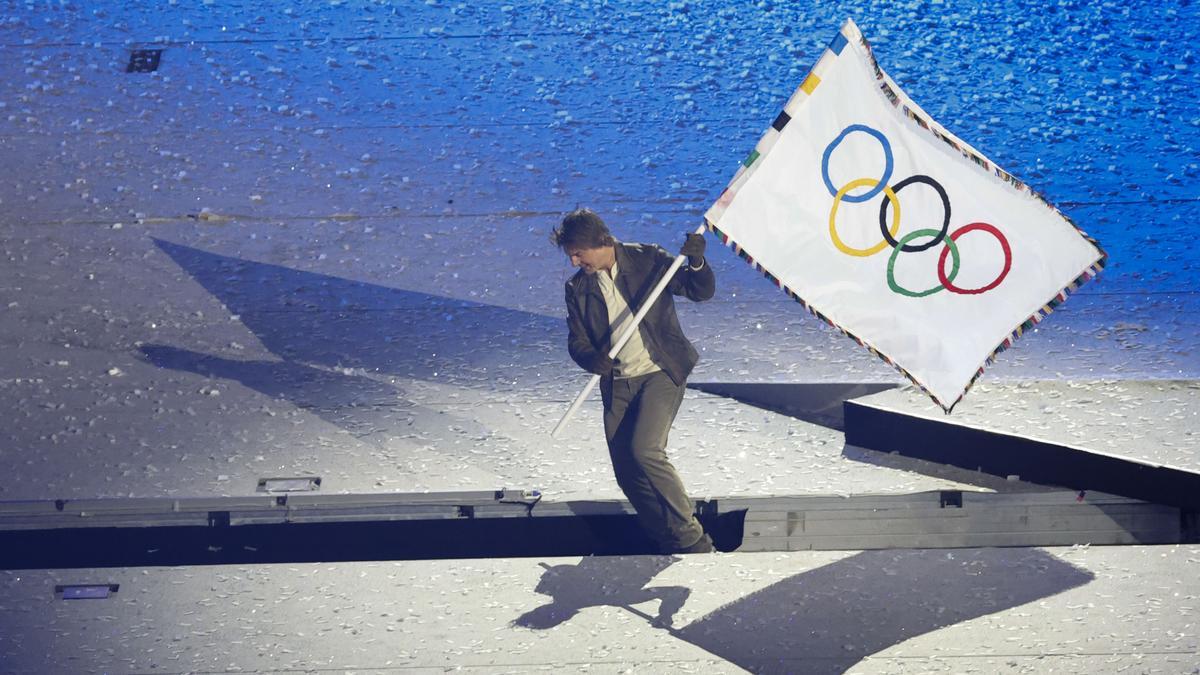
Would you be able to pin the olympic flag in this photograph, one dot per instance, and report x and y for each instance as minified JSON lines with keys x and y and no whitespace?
{"x":889,"y":228}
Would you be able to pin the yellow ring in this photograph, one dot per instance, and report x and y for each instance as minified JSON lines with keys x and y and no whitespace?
{"x":863,"y":252}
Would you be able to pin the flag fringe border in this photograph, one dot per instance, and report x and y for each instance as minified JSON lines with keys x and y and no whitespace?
{"x":850,"y":31}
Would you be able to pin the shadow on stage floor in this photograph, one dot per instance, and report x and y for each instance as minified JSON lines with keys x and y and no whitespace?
{"x":824,"y":620}
{"x":342,"y":344}
{"x":813,"y":402}
{"x":325,"y":321}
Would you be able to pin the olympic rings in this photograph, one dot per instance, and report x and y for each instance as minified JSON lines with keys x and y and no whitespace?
{"x":887,"y":158}
{"x":863,"y":252}
{"x":891,"y":270}
{"x":889,"y":233}
{"x":945,"y":218}
{"x":986,"y":227}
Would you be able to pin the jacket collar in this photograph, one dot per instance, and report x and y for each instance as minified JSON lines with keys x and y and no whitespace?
{"x":622,"y":256}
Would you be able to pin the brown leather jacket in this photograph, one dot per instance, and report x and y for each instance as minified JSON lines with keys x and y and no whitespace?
{"x":641,"y":266}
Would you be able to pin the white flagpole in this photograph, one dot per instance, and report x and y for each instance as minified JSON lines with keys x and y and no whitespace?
{"x":616,"y":348}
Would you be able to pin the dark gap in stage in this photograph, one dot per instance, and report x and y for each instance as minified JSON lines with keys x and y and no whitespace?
{"x":466,"y":538}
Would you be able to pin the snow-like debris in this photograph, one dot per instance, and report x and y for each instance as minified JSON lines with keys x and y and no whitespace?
{"x":315,"y":240}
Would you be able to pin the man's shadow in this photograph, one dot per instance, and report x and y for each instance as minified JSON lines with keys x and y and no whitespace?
{"x":361,"y":405}
{"x":340,"y":343}
{"x":827,"y":619}
{"x":616,"y":581}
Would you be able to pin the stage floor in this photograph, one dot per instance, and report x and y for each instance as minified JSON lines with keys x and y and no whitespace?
{"x":1096,"y":610}
{"x":314,"y":243}
{"x":139,"y":367}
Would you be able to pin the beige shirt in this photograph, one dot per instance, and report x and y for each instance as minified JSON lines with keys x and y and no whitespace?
{"x":633,"y":359}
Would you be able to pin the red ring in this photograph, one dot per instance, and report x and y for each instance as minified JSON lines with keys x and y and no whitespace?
{"x":941,"y":267}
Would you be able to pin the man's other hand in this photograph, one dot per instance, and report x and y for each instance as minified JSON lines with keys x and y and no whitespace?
{"x":603,"y":365}
{"x":693,"y":248}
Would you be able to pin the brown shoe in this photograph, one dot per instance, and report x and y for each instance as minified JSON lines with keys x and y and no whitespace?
{"x":703,"y":545}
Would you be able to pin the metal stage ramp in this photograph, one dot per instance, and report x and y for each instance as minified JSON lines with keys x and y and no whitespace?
{"x":1132,"y":438}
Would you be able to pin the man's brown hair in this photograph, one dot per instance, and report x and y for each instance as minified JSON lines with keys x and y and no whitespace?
{"x":582,"y":228}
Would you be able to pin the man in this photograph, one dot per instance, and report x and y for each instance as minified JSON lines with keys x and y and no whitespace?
{"x":643,"y":386}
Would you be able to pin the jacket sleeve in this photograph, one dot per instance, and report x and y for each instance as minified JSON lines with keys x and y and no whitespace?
{"x":696,"y":285}
{"x":579,"y":346}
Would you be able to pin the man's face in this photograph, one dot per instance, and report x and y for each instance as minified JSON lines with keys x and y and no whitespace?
{"x":591,"y":260}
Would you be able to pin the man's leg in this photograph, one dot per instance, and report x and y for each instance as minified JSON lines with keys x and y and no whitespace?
{"x":638,"y":417}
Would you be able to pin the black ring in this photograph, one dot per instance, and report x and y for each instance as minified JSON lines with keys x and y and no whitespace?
{"x":909,"y":248}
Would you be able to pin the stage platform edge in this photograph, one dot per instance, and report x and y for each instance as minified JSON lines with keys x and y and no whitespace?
{"x":517,"y":523}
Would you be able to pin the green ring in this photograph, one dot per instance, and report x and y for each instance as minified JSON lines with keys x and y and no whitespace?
{"x":891,"y":274}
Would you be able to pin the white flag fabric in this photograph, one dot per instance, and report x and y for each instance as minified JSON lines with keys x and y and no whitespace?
{"x":888,"y":227}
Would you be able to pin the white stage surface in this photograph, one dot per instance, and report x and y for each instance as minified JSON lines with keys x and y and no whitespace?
{"x":314,"y":244}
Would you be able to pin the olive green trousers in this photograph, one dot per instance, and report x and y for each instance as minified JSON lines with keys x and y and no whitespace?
{"x":638,"y":413}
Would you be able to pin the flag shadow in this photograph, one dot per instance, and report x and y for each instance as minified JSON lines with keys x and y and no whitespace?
{"x":822,"y":403}
{"x":828,"y":619}
{"x":325,"y":321}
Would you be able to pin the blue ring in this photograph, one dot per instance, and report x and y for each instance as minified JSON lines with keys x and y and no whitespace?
{"x":887,"y":169}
